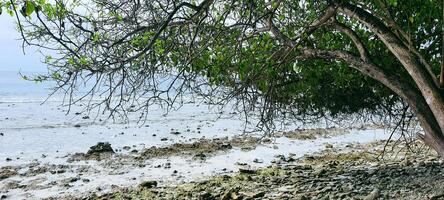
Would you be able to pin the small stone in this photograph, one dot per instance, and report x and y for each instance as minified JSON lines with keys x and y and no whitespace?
{"x":126,"y":148}
{"x":85,"y":117}
{"x":148,"y":184}
{"x":247,"y":171}
{"x":164,"y":139}
{"x":256,"y":160}
{"x":267,"y":140}
{"x":175,"y":132}
{"x":73,"y":179}
{"x":2,"y":134}
{"x":329,"y":146}
{"x":8,"y":159}
{"x":226,"y":146}
{"x":77,"y":126}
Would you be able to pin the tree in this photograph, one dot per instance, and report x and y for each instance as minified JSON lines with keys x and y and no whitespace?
{"x":305,"y":59}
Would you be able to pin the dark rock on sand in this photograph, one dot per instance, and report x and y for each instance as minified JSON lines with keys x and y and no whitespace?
{"x":101,"y":147}
{"x":148,"y":184}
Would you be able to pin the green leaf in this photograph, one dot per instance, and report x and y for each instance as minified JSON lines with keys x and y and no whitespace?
{"x":30,"y":8}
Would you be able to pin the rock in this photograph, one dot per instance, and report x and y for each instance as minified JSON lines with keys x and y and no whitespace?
{"x":256,"y":160}
{"x":77,"y":126}
{"x":126,"y":148}
{"x":2,"y":134}
{"x":175,"y":132}
{"x":101,"y":147}
{"x":164,"y":139}
{"x":247,"y":171}
{"x":329,"y":146}
{"x":73,"y":179}
{"x":373,"y":195}
{"x":267,"y":140}
{"x":85,"y":117}
{"x":148,"y":184}
{"x":3,"y":197}
{"x":241,"y":164}
{"x":8,"y":159}
{"x":200,"y":156}
{"x":226,"y":146}
{"x":6,"y":173}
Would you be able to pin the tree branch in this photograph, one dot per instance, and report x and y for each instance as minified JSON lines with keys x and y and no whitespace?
{"x":426,"y":82}
{"x":365,"y":55}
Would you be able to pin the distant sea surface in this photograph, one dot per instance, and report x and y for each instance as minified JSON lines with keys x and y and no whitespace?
{"x":13,"y":88}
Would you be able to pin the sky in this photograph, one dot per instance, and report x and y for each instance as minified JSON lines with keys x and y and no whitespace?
{"x":12,"y":58}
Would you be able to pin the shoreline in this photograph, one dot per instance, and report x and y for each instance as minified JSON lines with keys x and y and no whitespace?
{"x":332,"y":174}
{"x":178,"y":163}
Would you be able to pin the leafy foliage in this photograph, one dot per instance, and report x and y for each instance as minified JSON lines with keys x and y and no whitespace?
{"x":218,"y":49}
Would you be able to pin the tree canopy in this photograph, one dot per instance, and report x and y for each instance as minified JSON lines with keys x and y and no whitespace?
{"x":303,"y":58}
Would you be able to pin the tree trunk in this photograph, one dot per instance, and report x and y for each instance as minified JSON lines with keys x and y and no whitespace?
{"x":433,"y":134}
{"x":425,"y":97}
